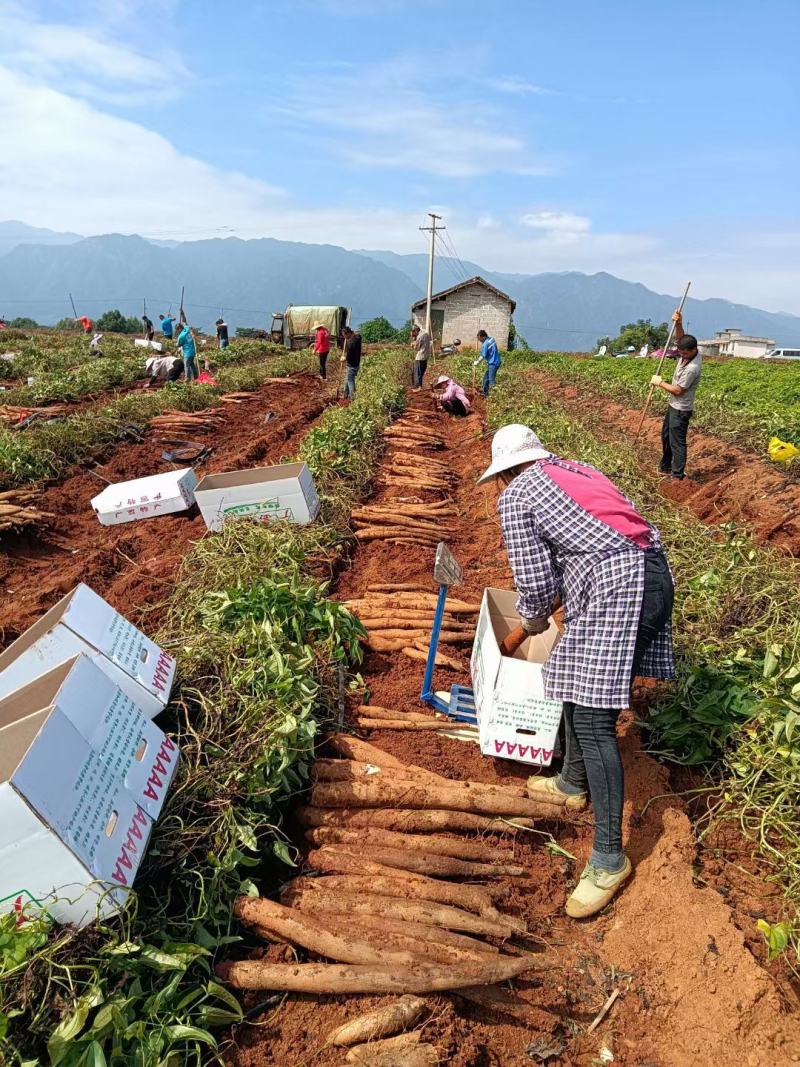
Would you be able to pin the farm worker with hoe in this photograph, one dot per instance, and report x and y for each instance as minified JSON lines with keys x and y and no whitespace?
{"x":681,"y":389}
{"x":421,"y":340}
{"x":222,"y":333}
{"x":86,"y":323}
{"x":489,"y":353}
{"x":322,"y":347}
{"x":167,"y":323}
{"x":571,"y":534}
{"x":147,"y":324}
{"x":451,"y":397}
{"x":352,"y":357}
{"x":188,"y":345}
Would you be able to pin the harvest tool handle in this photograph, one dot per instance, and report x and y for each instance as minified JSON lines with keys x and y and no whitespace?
{"x":74,"y":312}
{"x":661,"y":362}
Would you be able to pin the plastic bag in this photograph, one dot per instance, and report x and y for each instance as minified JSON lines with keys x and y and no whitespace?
{"x":782,"y":451}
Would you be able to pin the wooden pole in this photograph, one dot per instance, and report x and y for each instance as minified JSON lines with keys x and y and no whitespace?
{"x":182,"y":313}
{"x":661,"y":363}
{"x":74,"y":312}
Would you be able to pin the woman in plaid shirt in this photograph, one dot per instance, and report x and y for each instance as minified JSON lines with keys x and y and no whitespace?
{"x":572,"y":535}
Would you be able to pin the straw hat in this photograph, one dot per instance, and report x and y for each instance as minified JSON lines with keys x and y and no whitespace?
{"x":512,"y":445}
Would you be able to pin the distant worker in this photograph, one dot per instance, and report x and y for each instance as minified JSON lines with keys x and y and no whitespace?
{"x":188,"y":346}
{"x":421,"y":343}
{"x":167,"y":324}
{"x":163,"y":369}
{"x":94,"y":346}
{"x":351,"y":357}
{"x":573,"y":537}
{"x":322,"y":347}
{"x":451,"y":397}
{"x":682,"y":389}
{"x":86,"y":323}
{"x":491,"y":355}
{"x":222,"y":333}
{"x":147,"y":324}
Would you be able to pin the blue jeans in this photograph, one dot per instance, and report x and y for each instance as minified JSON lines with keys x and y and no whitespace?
{"x":489,"y":379}
{"x":349,"y":390}
{"x":223,"y":342}
{"x":591,"y":751}
{"x":190,"y":366}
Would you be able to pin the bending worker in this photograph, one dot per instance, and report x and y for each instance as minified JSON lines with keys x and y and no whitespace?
{"x":571,"y":534}
{"x":451,"y":397}
{"x":187,"y":344}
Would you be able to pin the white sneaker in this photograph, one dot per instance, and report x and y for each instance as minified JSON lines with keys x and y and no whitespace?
{"x":595,"y":889}
{"x":547,"y":789}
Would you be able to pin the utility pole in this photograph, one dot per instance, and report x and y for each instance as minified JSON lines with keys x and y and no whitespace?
{"x":432,"y":230}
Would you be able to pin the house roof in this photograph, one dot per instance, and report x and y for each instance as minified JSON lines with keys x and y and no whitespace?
{"x":477,"y":280}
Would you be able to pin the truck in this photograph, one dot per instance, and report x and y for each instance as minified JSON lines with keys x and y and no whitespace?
{"x":294,"y":327}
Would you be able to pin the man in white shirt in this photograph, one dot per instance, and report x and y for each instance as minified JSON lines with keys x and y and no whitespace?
{"x":421,"y":340}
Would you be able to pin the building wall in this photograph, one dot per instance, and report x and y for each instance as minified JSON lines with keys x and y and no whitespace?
{"x":469,"y":310}
{"x":745,"y":349}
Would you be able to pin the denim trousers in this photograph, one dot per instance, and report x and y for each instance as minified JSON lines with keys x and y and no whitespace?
{"x":349,"y":390}
{"x":591,"y":752}
{"x":190,"y":367}
{"x":673,"y":441}
{"x":488,"y":380}
{"x":420,"y":366}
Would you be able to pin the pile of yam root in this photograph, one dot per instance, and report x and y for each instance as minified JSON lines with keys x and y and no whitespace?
{"x":404,"y":899}
{"x":409,"y":465}
{"x":18,"y":509}
{"x":399,"y":618}
{"x":187,"y":422}
{"x":12,"y":414}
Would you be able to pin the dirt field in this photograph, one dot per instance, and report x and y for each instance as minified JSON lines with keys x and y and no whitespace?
{"x":679,"y":943}
{"x":132,"y":564}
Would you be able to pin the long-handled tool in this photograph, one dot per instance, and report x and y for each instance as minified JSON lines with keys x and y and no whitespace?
{"x":661,"y":362}
{"x":74,"y":312}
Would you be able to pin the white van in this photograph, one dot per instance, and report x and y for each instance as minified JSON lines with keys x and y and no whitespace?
{"x":783,"y":353}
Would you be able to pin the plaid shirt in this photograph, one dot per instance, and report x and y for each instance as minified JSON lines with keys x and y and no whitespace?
{"x":557,"y":547}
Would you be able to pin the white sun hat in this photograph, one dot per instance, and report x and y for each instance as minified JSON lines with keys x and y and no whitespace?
{"x":512,"y":445}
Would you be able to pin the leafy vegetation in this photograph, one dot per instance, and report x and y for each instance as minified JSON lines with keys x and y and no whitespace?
{"x":115,"y":322}
{"x":260,"y":653}
{"x":379,"y":329}
{"x":636,"y":334}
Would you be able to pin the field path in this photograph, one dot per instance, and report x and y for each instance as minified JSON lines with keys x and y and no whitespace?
{"x":692,"y":991}
{"x":133,"y":565}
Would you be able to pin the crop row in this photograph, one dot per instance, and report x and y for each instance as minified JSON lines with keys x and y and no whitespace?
{"x":736,"y":703}
{"x":741,"y":400}
{"x":262,"y":656}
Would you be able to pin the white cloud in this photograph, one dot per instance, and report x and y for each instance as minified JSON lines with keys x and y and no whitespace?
{"x":560,"y":222}
{"x":520,"y":87}
{"x":390,"y":115}
{"x":488,"y":222}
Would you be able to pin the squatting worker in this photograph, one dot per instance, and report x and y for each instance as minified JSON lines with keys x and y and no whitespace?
{"x":570,"y":533}
{"x":322,"y":347}
{"x":186,"y":342}
{"x":451,"y":396}
{"x":681,"y":404}
{"x":490,"y":353}
{"x":421,"y":343}
{"x":351,"y":357}
{"x":163,"y":369}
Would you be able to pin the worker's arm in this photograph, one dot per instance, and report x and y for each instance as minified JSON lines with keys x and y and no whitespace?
{"x":668,"y":387}
{"x":677,"y":318}
{"x":535,"y":576}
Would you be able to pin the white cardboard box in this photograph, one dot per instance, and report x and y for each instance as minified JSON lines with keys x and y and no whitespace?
{"x":146,"y":498}
{"x":154,"y":346}
{"x":83,"y":622}
{"x":83,"y":777}
{"x":515,"y":720}
{"x":265,"y":493}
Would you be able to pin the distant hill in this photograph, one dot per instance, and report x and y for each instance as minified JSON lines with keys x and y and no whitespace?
{"x":248,"y":280}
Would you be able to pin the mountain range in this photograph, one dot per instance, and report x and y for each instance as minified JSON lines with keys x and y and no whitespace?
{"x":248,"y":280}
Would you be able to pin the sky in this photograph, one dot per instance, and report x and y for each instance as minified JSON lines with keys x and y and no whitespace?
{"x":655,"y":140}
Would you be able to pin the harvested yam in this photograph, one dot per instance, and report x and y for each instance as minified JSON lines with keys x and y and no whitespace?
{"x":440,"y":846}
{"x":418,"y":911}
{"x":383,"y":1053}
{"x":369,"y":877}
{"x":343,"y":770}
{"x":402,"y":724}
{"x":455,"y":796}
{"x":389,"y":634}
{"x":399,"y":1015}
{"x":375,"y":711}
{"x":375,"y":533}
{"x":440,"y":660}
{"x":495,"y":1000}
{"x":276,"y":921}
{"x":401,"y":588}
{"x":407,"y":821}
{"x":383,"y":644}
{"x":432,"y":865}
{"x":362,"y":751}
{"x":375,"y":978}
{"x":367,"y":926}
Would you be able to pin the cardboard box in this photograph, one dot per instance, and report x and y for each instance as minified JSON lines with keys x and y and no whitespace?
{"x":515,"y":720}
{"x":146,"y":498}
{"x":83,"y":622}
{"x":264,"y":493}
{"x":83,"y":776}
{"x":153,"y":346}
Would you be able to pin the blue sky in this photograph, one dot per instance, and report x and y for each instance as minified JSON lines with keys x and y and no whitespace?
{"x":658,"y":141}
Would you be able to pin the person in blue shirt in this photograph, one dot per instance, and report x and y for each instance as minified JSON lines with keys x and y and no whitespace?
{"x":490,"y":353}
{"x":167,"y":323}
{"x":186,"y":342}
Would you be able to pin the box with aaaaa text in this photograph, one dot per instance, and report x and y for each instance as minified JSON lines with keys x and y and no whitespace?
{"x":515,"y":719}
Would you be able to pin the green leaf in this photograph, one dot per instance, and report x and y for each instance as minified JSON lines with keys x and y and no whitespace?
{"x":69,"y":1028}
{"x":182,"y":1032}
{"x":282,"y":852}
{"x":770,"y":662}
{"x":776,"y":936}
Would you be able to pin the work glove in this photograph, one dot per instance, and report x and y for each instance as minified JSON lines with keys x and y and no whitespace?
{"x":475,"y":364}
{"x":656,"y":379}
{"x":535,"y":626}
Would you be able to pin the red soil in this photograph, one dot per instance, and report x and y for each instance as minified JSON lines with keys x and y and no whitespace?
{"x":692,"y":990}
{"x":133,"y":565}
{"x":726,"y":483}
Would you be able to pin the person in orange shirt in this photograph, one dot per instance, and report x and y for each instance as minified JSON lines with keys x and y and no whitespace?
{"x":322,"y":347}
{"x":86,"y":323}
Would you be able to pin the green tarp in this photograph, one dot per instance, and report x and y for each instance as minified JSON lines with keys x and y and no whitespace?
{"x":300,"y":321}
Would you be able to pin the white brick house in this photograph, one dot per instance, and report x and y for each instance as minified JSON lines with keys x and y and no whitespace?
{"x":464,"y":309}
